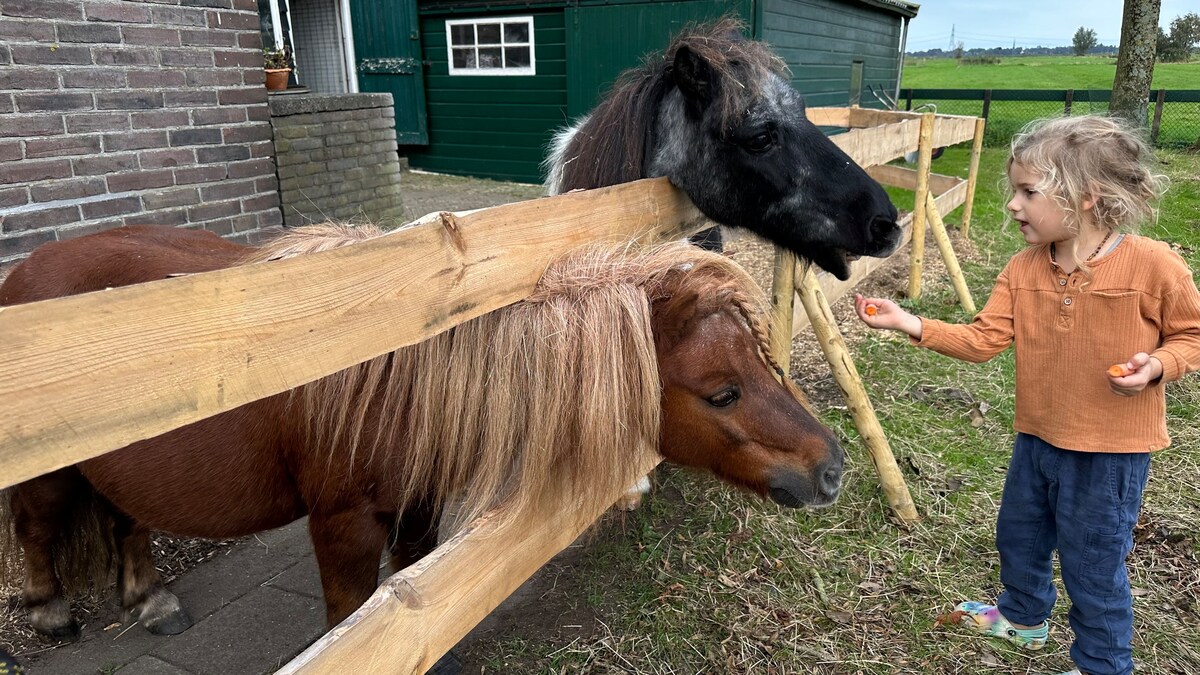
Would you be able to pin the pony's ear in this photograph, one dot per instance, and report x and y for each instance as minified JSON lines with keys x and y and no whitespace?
{"x":694,"y":77}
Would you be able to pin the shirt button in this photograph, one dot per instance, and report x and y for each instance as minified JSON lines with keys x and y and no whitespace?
{"x":1066,"y":301}
{"x":1062,"y":282}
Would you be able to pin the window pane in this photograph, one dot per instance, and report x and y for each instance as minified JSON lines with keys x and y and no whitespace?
{"x":490,"y":58}
{"x":516,"y":57}
{"x":489,"y":33}
{"x":516,"y":32}
{"x":464,"y":58}
{"x":462,"y":34}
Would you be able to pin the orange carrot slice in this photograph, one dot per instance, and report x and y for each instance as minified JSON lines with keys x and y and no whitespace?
{"x":872,"y":310}
{"x":1119,"y":370}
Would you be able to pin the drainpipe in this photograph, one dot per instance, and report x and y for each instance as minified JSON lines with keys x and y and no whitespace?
{"x":900,"y":67}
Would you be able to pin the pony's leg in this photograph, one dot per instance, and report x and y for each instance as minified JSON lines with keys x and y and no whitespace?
{"x":709,"y":239}
{"x":414,"y":535}
{"x":143,"y":594}
{"x":632,"y":499}
{"x":347,"y":545}
{"x":41,"y":510}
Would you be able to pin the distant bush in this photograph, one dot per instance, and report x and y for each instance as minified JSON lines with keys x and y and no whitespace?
{"x":979,"y":61}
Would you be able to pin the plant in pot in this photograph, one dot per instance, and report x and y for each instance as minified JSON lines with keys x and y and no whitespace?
{"x":277,"y":63}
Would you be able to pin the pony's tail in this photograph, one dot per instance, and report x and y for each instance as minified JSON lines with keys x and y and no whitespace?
{"x":84,"y":555}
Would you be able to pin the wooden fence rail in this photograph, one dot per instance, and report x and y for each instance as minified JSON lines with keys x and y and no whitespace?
{"x":88,"y":374}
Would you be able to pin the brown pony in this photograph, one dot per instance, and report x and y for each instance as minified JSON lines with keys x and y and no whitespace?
{"x":617,"y":350}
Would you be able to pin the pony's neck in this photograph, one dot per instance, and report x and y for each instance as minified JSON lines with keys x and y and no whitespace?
{"x":615,"y":143}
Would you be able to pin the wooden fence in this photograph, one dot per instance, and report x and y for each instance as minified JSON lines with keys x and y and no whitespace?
{"x":88,"y":374}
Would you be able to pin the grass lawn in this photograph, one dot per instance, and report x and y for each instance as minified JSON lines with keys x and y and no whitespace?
{"x":705,"y":579}
{"x":1180,"y":125}
{"x":1039,"y":72}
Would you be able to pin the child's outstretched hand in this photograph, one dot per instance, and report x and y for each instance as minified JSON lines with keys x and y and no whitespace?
{"x":1131,"y":377}
{"x":883,"y":313}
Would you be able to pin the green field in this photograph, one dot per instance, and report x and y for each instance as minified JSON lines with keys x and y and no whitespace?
{"x":1039,"y":72}
{"x":1180,"y":122}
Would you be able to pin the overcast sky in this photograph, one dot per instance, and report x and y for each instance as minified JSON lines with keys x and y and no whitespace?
{"x":1029,"y":23}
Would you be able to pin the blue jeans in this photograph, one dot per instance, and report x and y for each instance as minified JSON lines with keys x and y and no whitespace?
{"x":1085,"y":504}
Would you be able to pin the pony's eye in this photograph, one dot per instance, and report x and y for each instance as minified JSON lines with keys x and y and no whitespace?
{"x":759,"y":143}
{"x":724,"y":398}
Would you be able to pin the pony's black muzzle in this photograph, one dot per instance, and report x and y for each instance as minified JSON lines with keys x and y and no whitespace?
{"x":793,"y":490}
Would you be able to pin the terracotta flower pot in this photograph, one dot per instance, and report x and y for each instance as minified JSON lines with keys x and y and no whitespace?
{"x":277,"y":78}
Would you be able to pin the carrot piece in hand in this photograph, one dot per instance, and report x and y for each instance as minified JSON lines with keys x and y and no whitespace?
{"x":872,"y":310}
{"x":1119,"y":370}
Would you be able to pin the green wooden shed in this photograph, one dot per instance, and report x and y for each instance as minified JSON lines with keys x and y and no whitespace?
{"x":498,"y":77}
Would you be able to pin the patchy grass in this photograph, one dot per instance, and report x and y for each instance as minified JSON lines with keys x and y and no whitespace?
{"x":705,"y":579}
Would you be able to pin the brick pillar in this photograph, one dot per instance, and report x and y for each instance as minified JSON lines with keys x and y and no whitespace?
{"x":337,"y":158}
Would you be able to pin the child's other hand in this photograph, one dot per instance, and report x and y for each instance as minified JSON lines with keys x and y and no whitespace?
{"x":1145,"y":369}
{"x":883,"y":313}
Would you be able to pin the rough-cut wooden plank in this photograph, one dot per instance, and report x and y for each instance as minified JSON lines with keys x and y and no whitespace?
{"x":906,"y":178}
{"x":917,"y":251}
{"x":419,"y":613}
{"x":828,"y":116}
{"x":91,"y":373}
{"x":861,"y":118}
{"x":879,"y":145}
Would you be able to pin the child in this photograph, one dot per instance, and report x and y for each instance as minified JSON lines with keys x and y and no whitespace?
{"x":1081,"y":298}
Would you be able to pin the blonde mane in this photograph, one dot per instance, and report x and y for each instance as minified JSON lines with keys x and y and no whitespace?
{"x":562,"y":385}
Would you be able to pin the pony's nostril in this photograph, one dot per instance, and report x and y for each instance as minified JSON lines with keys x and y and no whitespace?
{"x":882,"y":226}
{"x":831,"y":480}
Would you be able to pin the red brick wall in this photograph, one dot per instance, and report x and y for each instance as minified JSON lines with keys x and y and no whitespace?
{"x":129,"y":111}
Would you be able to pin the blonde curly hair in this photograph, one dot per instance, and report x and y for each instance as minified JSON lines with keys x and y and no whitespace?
{"x":1091,"y":157}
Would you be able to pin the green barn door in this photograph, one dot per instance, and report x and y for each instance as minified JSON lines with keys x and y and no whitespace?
{"x":387,"y":54}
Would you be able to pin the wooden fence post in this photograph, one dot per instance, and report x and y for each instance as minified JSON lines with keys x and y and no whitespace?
{"x":846,"y":375}
{"x":924,"y":159}
{"x":1158,"y":110}
{"x":783,"y":303}
{"x":987,"y":103}
{"x":948,"y":256}
{"x":1068,"y":99}
{"x":973,"y":175}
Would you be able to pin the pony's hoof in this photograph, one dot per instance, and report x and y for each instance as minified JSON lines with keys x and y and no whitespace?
{"x":53,"y":619}
{"x":172,"y":624}
{"x":67,"y":633}
{"x":161,"y":613}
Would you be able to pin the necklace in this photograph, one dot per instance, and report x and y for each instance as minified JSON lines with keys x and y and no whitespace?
{"x":1094,"y":253}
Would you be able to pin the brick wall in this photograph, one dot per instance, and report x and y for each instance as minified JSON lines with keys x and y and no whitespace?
{"x":337,"y":158}
{"x":128,"y":111}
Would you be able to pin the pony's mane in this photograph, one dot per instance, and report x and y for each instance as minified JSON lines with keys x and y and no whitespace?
{"x":310,"y":239}
{"x":562,"y":384}
{"x":609,"y":146}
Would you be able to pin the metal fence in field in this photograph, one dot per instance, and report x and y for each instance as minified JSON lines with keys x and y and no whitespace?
{"x":1174,"y":114}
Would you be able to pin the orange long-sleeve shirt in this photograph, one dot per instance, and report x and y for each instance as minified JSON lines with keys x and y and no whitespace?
{"x":1068,"y":330}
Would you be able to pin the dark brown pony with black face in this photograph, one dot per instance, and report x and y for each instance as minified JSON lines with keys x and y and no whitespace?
{"x":715,"y":115}
{"x":617,"y":351}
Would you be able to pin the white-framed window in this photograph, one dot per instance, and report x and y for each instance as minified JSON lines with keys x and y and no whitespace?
{"x":500,"y":46}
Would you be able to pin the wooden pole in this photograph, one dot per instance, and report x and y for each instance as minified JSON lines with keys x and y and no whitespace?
{"x":973,"y":175}
{"x":783,"y":302}
{"x":951,"y":260}
{"x":924,"y":159}
{"x":860,"y":406}
{"x":1158,"y":110}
